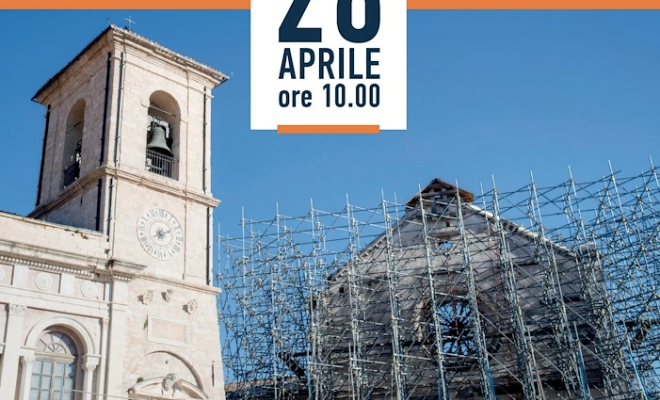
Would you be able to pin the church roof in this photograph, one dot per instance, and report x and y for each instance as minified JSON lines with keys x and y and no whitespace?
{"x":438,"y":188}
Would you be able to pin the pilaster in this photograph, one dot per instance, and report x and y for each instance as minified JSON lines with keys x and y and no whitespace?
{"x":27,"y":361}
{"x":10,"y":357}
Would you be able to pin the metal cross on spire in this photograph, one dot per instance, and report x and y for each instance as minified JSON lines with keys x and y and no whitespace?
{"x":130,"y":23}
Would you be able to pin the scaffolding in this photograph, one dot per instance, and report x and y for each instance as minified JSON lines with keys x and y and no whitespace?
{"x":538,"y":293}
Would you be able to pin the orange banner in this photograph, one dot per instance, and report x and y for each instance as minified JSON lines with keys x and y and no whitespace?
{"x":128,"y":5}
{"x":533,"y":5}
{"x":412,"y":5}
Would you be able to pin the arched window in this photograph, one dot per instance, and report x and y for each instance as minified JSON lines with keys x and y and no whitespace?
{"x":55,"y":367}
{"x":162,"y":130}
{"x":73,"y":136}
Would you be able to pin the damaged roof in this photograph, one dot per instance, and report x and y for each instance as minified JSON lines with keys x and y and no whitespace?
{"x":439,"y":188}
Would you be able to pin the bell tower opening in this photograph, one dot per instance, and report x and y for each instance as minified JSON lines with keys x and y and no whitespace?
{"x":162,"y":150}
{"x":72,"y":157}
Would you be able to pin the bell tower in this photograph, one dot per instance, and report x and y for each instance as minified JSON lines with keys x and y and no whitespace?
{"x":127,"y":154}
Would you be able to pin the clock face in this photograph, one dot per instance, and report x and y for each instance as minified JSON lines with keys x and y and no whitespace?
{"x":160,"y":234}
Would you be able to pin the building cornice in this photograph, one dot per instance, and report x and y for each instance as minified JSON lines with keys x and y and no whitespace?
{"x":49,"y":260}
{"x":123,"y":270}
{"x":152,"y":183}
{"x":150,"y":276}
{"x":114,"y":34}
{"x":125,"y":36}
{"x":63,"y":262}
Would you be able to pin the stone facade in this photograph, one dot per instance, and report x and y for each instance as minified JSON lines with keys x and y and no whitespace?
{"x":87,"y":310}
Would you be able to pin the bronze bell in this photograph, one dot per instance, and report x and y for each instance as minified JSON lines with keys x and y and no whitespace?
{"x":158,"y":142}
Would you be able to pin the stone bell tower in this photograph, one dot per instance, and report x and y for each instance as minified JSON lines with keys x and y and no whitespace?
{"x":127,"y":154}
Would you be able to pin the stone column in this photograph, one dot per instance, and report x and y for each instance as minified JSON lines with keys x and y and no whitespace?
{"x":27,"y":360}
{"x":116,"y":358}
{"x":100,"y":377}
{"x":10,"y":357}
{"x":89,"y":366}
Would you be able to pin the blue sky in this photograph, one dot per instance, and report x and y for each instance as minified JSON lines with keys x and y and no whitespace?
{"x":489,"y":93}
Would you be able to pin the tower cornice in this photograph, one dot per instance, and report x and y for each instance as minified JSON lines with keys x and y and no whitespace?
{"x":116,"y":35}
{"x":154,"y":183}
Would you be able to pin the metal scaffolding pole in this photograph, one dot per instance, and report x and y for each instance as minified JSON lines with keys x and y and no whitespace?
{"x":511,"y":293}
{"x":553,"y":296}
{"x":398,"y":357}
{"x":433,"y":298}
{"x":487,"y":389}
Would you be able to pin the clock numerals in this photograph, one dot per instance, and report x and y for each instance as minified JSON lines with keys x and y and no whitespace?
{"x":160,"y":234}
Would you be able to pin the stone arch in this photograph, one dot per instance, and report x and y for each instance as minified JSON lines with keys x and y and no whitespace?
{"x":163,"y":134}
{"x":77,"y":331}
{"x":163,"y":101}
{"x":85,"y":362}
{"x":166,"y":387}
{"x":156,"y":359}
{"x":73,"y":141}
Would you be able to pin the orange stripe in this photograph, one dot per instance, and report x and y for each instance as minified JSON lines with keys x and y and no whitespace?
{"x":533,"y":5}
{"x":128,"y":4}
{"x":340,"y":129}
{"x":412,"y":5}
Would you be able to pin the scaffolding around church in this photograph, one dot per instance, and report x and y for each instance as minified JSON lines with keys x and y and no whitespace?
{"x":546,"y":292}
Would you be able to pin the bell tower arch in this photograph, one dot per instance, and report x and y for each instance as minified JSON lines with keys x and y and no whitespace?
{"x":73,"y":138}
{"x":162,"y":149}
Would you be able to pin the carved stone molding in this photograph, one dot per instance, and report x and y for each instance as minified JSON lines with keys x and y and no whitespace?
{"x":148,"y":297}
{"x":2,"y":272}
{"x":90,"y":363}
{"x":89,"y":366}
{"x":168,"y":382}
{"x":43,"y":281}
{"x":17,"y":309}
{"x":27,"y":360}
{"x":89,"y":289}
{"x":191,"y":307}
{"x":168,"y":295}
{"x":47,"y":267}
